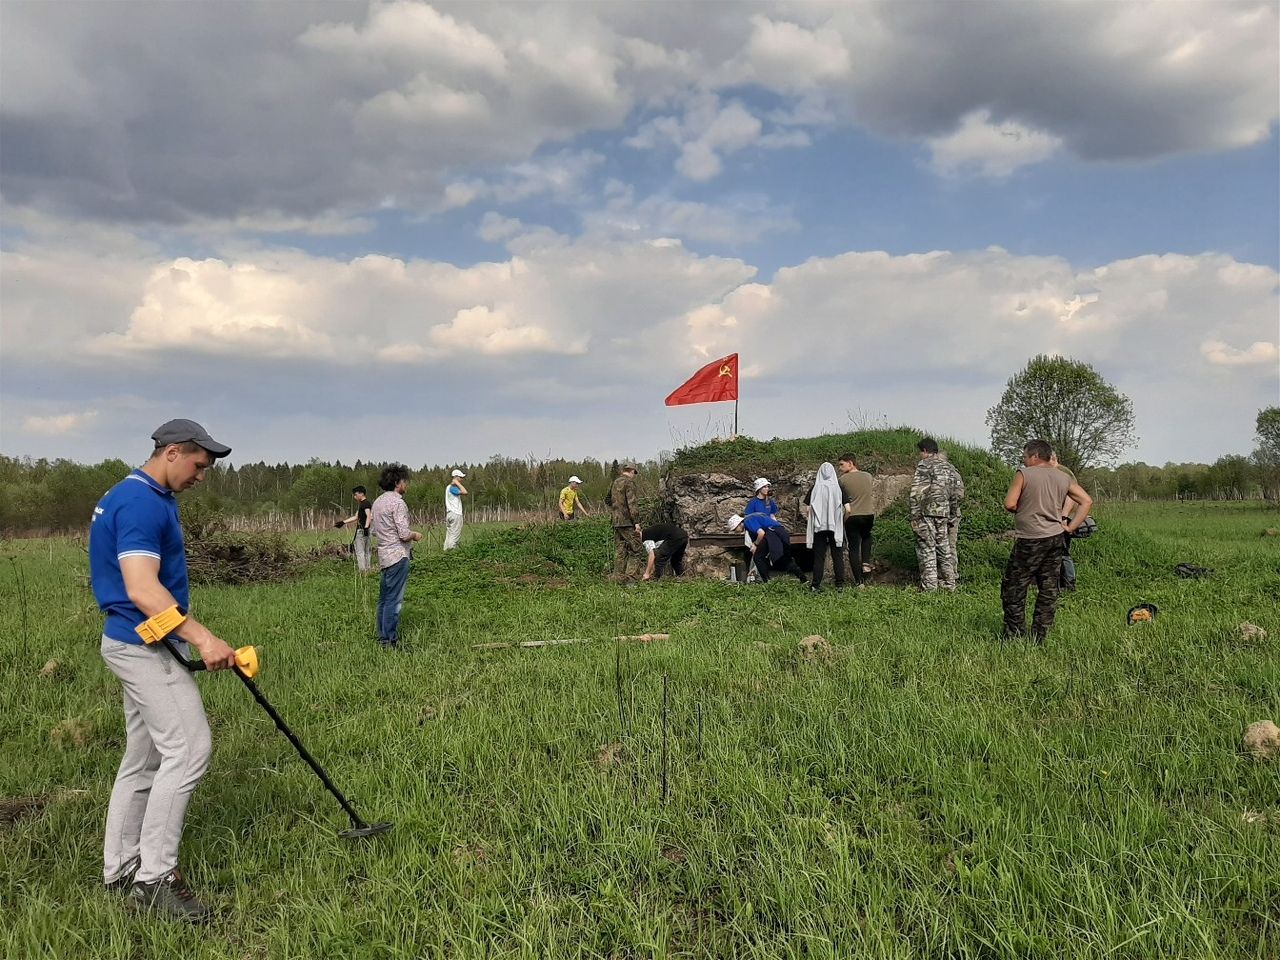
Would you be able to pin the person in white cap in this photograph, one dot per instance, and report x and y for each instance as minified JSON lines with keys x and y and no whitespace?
{"x":453,"y":495}
{"x":770,"y":544}
{"x":763,"y":501}
{"x":571,"y":500}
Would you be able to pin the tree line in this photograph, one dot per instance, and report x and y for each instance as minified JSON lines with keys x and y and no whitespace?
{"x":59,"y":495}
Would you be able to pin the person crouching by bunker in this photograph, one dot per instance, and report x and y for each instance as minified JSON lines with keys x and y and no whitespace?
{"x":138,"y":570}
{"x":665,"y":543}
{"x":770,"y":545}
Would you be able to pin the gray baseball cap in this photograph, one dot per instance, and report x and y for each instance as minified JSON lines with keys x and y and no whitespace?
{"x":184,"y":431}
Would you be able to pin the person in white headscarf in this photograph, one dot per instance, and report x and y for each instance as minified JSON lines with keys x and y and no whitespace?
{"x":825,"y":508}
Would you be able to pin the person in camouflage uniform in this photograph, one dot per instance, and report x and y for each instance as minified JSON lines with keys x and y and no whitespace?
{"x":953,"y":522}
{"x":624,"y":508}
{"x":933,"y":500}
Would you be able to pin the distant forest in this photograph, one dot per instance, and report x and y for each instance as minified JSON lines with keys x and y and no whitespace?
{"x":39,"y":496}
{"x":59,"y":495}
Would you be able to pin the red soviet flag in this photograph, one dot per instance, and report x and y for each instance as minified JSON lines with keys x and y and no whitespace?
{"x":718,"y":380}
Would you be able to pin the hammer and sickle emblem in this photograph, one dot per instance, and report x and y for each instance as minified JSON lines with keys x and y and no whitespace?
{"x":725,"y":371}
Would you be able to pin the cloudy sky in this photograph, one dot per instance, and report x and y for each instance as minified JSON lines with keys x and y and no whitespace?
{"x":442,"y":232}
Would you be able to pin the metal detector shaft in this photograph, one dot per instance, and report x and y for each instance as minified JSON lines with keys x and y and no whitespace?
{"x":283,"y":727}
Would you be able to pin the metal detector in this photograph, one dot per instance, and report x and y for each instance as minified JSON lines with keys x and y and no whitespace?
{"x":246,"y":669}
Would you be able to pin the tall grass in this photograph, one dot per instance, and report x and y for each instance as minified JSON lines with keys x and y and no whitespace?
{"x":926,"y":792}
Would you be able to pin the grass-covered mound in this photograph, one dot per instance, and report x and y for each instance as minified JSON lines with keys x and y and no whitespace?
{"x":879,"y":452}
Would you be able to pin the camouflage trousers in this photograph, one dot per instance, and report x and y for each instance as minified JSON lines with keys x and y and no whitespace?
{"x":933,"y":551}
{"x":1031,"y":560}
{"x":627,"y":545}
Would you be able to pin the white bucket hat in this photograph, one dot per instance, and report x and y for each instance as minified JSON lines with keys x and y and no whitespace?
{"x":760,"y":483}
{"x":733,"y":522}
{"x":457,"y":473}
{"x":575,"y":479}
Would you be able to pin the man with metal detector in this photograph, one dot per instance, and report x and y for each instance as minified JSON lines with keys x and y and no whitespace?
{"x":138,"y":569}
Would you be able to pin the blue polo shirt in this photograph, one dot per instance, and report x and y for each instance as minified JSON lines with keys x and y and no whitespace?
{"x":136,"y":517}
{"x":756,"y":505}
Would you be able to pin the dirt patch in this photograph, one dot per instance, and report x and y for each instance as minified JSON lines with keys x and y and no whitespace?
{"x":13,"y":809}
{"x":1271,"y":532}
{"x":894,"y":577}
{"x":72,"y":732}
{"x":816,"y":649}
{"x":609,"y":755}
{"x":540,"y":580}
{"x":50,"y":667}
{"x":470,"y":855}
{"x":1251,"y":631}
{"x":1262,"y":740}
{"x":674,"y":854}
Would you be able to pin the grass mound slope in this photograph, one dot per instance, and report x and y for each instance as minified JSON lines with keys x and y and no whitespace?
{"x":910,"y":789}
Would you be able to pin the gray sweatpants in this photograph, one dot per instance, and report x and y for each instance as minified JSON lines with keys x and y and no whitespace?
{"x":167,"y":749}
{"x":361,"y":548}
{"x":452,"y":530}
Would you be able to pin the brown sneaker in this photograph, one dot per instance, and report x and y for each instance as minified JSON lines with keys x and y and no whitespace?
{"x":168,"y":897}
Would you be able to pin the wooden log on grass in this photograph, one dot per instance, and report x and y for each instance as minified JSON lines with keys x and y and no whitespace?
{"x":528,"y":643}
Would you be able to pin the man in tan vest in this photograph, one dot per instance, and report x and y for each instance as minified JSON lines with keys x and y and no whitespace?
{"x":1035,"y":498}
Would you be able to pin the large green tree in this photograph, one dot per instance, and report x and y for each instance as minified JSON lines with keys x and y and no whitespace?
{"x":1068,"y":403}
{"x":1267,"y":454}
{"x":1268,"y":427}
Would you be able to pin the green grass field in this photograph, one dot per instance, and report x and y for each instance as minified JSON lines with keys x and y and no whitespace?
{"x":924,"y":793}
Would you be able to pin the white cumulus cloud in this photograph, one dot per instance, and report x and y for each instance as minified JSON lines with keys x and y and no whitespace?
{"x":981,"y":147}
{"x":60,"y":424}
{"x":1258,"y":353}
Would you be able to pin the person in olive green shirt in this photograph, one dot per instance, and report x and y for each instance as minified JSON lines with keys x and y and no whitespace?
{"x":624,"y":507}
{"x":860,"y":516}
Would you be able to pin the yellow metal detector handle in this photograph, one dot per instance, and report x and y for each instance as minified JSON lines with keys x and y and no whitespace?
{"x":156,"y":628}
{"x":247,"y":661}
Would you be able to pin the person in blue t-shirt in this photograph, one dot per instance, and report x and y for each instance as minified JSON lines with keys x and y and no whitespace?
{"x":770,"y":544}
{"x":762,"y":501}
{"x":138,"y":569}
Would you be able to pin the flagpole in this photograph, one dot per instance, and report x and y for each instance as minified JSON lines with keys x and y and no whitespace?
{"x":735,"y":418}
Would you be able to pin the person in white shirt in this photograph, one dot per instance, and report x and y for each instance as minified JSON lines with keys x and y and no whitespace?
{"x":453,"y":495}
